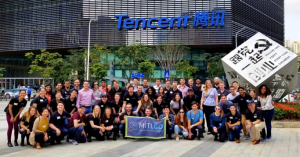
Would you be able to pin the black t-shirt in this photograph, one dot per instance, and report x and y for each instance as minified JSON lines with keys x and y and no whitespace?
{"x":120,"y":91}
{"x":140,"y":95}
{"x":53,"y":104}
{"x":28,"y":124}
{"x":225,"y":92}
{"x":66,"y":93}
{"x":41,"y":103}
{"x":198,"y":91}
{"x":187,"y":101}
{"x":59,"y":119}
{"x":172,"y":93}
{"x":254,"y":116}
{"x":159,"y":107}
{"x":132,"y":99}
{"x":104,"y":105}
{"x":96,"y":120}
{"x":69,"y":104}
{"x":16,"y":106}
{"x":242,"y":102}
{"x":233,"y":118}
{"x":126,"y":114}
{"x":108,"y":121}
{"x":117,"y":106}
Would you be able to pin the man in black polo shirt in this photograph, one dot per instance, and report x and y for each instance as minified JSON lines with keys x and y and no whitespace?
{"x":187,"y":100}
{"x":66,"y":91}
{"x":58,"y":88}
{"x":57,"y":124}
{"x":139,"y":91}
{"x":104,"y":103}
{"x":167,"y":91}
{"x":133,"y":99}
{"x":174,"y":90}
{"x":241,"y":100}
{"x":123,"y":118}
{"x":254,"y":121}
{"x":117,"y":89}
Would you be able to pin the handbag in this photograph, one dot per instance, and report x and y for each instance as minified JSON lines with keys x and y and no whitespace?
{"x":207,"y":96}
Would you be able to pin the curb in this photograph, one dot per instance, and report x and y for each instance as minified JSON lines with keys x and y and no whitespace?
{"x":277,"y":124}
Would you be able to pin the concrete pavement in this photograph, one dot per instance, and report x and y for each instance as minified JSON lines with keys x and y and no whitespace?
{"x":286,"y":143}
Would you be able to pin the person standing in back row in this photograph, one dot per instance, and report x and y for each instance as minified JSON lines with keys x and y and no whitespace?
{"x":183,"y":88}
{"x":29,"y":93}
{"x":208,"y":102}
{"x":85,"y":97}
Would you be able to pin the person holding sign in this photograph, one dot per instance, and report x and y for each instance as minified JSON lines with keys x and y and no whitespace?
{"x":254,"y":120}
{"x":170,"y":121}
{"x":234,"y":124}
{"x":181,"y":125}
{"x":217,"y":123}
{"x":123,"y":118}
{"x":195,"y":120}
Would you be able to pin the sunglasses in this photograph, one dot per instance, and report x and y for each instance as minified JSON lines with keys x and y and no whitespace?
{"x":217,"y":108}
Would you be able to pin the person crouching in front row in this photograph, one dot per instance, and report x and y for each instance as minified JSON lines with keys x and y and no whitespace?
{"x":128,"y":112}
{"x":170,"y":121}
{"x":217,"y":122}
{"x":254,"y":121}
{"x":195,"y":120}
{"x":234,"y":124}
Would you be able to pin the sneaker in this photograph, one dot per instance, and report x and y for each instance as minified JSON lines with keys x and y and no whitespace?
{"x":247,"y":138}
{"x":237,"y":141}
{"x":177,"y":138}
{"x":256,"y":142}
{"x":74,"y":142}
{"x":9,"y":144}
{"x":264,"y":140}
{"x":16,"y":143}
{"x":269,"y":139}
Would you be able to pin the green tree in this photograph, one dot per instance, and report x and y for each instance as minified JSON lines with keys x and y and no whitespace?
{"x":99,"y":63}
{"x":167,"y":54}
{"x":129,"y":57}
{"x":147,"y":68}
{"x":186,"y":69}
{"x":72,"y":66}
{"x":2,"y":72}
{"x":214,"y":64}
{"x":44,"y":63}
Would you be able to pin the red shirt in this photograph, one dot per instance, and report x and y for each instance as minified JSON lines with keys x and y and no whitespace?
{"x":76,"y":116}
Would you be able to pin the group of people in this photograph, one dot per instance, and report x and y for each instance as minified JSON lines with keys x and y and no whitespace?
{"x":78,"y":114}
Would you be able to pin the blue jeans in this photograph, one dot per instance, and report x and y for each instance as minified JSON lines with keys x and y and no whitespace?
{"x":88,"y":110}
{"x":235,"y":134}
{"x":268,"y":115}
{"x":23,"y":135}
{"x":63,"y":132}
{"x":122,"y":129}
{"x":134,"y":108}
{"x":180,"y":130}
{"x":76,"y":134}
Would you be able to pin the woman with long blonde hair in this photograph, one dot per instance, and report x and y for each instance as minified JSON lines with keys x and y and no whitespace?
{"x":26,"y":124}
{"x":94,"y":126}
{"x":208,"y":102}
{"x":217,"y":122}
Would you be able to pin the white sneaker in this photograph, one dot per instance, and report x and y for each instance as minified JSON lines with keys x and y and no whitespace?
{"x":177,"y":138}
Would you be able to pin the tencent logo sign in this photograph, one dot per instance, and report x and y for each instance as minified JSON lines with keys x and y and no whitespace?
{"x":204,"y":19}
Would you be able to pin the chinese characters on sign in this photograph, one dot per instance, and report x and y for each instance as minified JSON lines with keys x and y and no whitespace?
{"x":216,"y":18}
{"x":259,"y":61}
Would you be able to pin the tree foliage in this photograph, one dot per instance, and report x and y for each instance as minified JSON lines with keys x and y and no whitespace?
{"x":44,"y":63}
{"x":2,"y":72}
{"x":129,"y":57}
{"x":99,"y":63}
{"x":186,"y":69}
{"x":147,"y":68}
{"x":214,"y":64}
{"x":169,"y":53}
{"x":72,"y":66}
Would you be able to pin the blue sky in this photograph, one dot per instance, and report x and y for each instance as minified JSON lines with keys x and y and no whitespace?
{"x":292,"y":20}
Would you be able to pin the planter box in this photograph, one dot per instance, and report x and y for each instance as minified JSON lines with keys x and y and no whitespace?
{"x":279,"y":124}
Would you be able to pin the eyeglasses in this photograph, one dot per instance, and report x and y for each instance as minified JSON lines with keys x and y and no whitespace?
{"x":96,"y":84}
{"x":181,"y":112}
{"x":217,"y":108}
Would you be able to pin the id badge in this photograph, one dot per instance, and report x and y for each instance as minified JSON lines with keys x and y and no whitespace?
{"x":41,"y":100}
{"x":15,"y":104}
{"x":127,"y":98}
{"x":58,"y":117}
{"x":73,"y":104}
{"x":220,"y":124}
{"x":102,"y":106}
{"x":255,"y":116}
{"x":230,"y":117}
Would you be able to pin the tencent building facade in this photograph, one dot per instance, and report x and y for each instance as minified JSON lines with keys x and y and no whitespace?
{"x":206,"y":26}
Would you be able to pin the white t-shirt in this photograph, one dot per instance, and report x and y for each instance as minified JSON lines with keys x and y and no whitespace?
{"x":231,"y":97}
{"x":176,"y":105}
